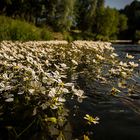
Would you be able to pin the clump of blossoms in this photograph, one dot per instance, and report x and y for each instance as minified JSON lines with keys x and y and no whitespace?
{"x":37,"y":76}
{"x":33,"y":87}
{"x":98,"y":62}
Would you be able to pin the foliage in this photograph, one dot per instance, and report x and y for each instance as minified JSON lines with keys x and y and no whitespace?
{"x":122,"y":22}
{"x":90,"y":16}
{"x":122,"y":26}
{"x":132,"y":12}
{"x":137,"y":35}
{"x":37,"y":78}
{"x":107,"y":23}
{"x":18,"y":30}
{"x":45,"y":34}
{"x":67,"y":36}
{"x":24,"y":9}
{"x":60,"y":14}
{"x":86,"y":12}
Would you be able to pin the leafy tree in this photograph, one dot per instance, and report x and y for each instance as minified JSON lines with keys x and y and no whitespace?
{"x":122,"y":22}
{"x":91,"y":13}
{"x":66,"y":14}
{"x":22,"y":9}
{"x":3,"y":5}
{"x":107,"y":24}
{"x":122,"y":26}
{"x":100,"y":4}
{"x":132,"y":12}
{"x":86,"y":14}
{"x":60,"y":13}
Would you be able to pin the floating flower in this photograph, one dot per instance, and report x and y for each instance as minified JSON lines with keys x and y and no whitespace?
{"x":74,"y":62}
{"x":91,"y":119}
{"x":129,"y":56}
{"x":132,"y":64}
{"x":114,"y":91}
{"x":52,"y":92}
{"x":9,"y":100}
{"x":123,"y":64}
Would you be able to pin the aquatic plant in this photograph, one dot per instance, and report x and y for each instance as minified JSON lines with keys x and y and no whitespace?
{"x":38,"y":77}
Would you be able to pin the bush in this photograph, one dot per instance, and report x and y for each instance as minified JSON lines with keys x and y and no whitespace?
{"x":23,"y":31}
{"x":102,"y":38}
{"x":19,"y":30}
{"x":67,"y":36}
{"x":4,"y":26}
{"x":79,"y":35}
{"x":45,"y":34}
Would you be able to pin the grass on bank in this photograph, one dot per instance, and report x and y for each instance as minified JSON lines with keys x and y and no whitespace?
{"x":11,"y":29}
{"x":15,"y":29}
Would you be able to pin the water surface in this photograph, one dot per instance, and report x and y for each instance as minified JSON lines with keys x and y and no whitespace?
{"x":119,"y":116}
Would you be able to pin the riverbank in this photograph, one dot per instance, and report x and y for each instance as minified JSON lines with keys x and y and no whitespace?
{"x":125,"y":42}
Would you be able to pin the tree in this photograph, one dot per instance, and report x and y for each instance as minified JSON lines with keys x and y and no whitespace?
{"x":107,"y":24}
{"x":100,"y":4}
{"x":132,"y":12}
{"x":86,"y":14}
{"x":60,"y":13}
{"x":3,"y":5}
{"x":22,"y":9}
{"x":122,"y":22}
{"x":122,"y":26}
{"x":66,"y":14}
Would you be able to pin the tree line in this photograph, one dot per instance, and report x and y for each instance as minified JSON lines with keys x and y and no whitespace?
{"x":90,"y":17}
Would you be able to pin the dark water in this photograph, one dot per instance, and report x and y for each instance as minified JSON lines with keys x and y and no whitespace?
{"x":119,"y":117}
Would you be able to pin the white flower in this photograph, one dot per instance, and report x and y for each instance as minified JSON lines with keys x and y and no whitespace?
{"x":65,"y":90}
{"x":2,"y":85}
{"x":44,"y":79}
{"x":78,"y":93}
{"x":59,"y":99}
{"x":9,"y":100}
{"x":129,"y":56}
{"x":113,"y":71}
{"x":91,"y":119}
{"x":123,"y":74}
{"x":5,"y":76}
{"x":94,"y":61}
{"x":31,"y":90}
{"x":11,"y":75}
{"x":52,"y":92}
{"x":68,"y":84}
{"x":123,"y":64}
{"x":64,"y":66}
{"x":5,"y":88}
{"x":132,"y":64}
{"x":47,"y":63}
{"x":113,"y":55}
{"x":74,"y":62}
{"x":21,"y":92}
{"x":100,"y":57}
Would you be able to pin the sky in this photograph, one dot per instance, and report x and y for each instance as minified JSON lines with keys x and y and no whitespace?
{"x":119,"y":4}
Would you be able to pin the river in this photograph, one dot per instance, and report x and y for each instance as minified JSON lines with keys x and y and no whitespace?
{"x":119,"y":117}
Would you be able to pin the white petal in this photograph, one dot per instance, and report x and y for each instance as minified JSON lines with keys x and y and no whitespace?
{"x":9,"y":100}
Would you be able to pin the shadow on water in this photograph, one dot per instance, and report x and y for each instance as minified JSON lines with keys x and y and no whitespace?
{"x":118,"y":120}
{"x":119,"y":116}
